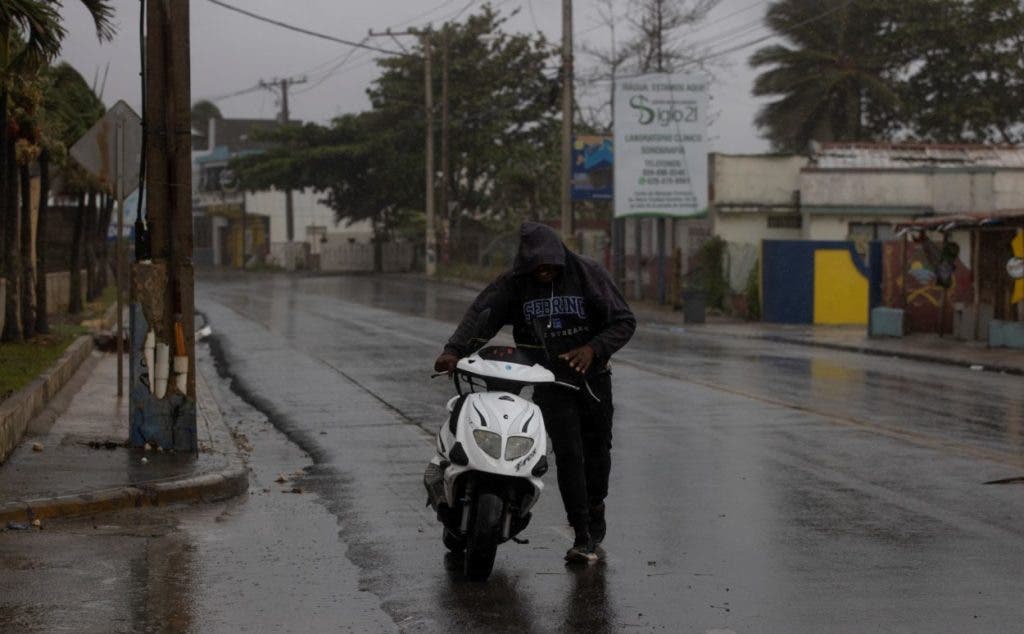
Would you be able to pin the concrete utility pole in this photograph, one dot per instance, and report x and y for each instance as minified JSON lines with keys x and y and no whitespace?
{"x":282,"y":118}
{"x":428,"y":102}
{"x":567,"y":90}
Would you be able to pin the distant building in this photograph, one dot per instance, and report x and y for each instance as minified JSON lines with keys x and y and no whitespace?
{"x":854,"y":191}
{"x":927,"y":202}
{"x":232,"y":225}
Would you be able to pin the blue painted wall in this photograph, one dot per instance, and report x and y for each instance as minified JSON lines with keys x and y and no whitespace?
{"x":790,"y":282}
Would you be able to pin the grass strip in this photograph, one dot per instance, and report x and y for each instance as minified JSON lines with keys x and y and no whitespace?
{"x":21,"y":363}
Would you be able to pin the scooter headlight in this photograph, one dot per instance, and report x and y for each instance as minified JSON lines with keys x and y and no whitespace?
{"x":489,"y":441}
{"x":517,"y":447}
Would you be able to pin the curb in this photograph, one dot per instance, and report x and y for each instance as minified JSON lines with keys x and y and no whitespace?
{"x":211,"y":487}
{"x":878,"y":352}
{"x":214,"y":486}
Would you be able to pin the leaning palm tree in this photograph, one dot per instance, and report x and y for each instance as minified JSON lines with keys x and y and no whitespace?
{"x":834,"y":78}
{"x":31,"y":32}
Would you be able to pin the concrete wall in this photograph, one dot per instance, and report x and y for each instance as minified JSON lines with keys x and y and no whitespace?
{"x":755,"y":179}
{"x":813,"y":282}
{"x":1008,"y":189}
{"x":307,"y":211}
{"x":355,"y":257}
{"x":751,"y":228}
{"x":891,"y":192}
{"x":835,"y":188}
{"x":58,"y":291}
{"x":289,"y":255}
{"x":746,"y":190}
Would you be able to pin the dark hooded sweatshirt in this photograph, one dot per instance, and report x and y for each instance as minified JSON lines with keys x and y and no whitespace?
{"x":579,"y":306}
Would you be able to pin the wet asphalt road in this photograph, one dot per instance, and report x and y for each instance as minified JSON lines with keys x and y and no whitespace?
{"x":757,"y":487}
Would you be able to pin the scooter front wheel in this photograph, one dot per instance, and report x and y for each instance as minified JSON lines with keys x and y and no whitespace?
{"x":482,"y":541}
{"x":453,"y":542}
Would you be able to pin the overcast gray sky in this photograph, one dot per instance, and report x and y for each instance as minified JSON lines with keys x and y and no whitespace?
{"x":232,"y":52}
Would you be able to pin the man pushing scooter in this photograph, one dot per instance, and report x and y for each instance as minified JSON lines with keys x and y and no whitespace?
{"x":567,"y":313}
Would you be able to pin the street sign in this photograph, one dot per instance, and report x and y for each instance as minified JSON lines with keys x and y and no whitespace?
{"x":111,"y":151}
{"x":97,"y":150}
{"x":592,"y":167}
{"x":661,"y":165}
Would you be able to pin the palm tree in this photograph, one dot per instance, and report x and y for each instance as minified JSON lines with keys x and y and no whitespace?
{"x":31,"y":32}
{"x":835,"y":79}
{"x":69,"y":108}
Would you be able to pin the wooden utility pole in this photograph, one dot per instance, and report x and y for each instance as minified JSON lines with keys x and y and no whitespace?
{"x":428,"y":102}
{"x":289,"y":202}
{"x":567,"y":90}
{"x":162,"y":392}
{"x":446,"y":212}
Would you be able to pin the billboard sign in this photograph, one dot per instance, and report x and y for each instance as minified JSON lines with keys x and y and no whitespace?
{"x":661,"y":166}
{"x":592,"y":168}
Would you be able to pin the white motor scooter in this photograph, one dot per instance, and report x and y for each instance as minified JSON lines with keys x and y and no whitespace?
{"x":491,"y":453}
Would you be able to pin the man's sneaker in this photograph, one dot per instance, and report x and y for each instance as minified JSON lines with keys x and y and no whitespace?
{"x":597,"y":524}
{"x":582,"y":551}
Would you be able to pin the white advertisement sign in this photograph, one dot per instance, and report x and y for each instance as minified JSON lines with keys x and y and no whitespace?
{"x":661,"y":165}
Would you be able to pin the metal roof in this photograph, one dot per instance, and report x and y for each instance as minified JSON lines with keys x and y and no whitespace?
{"x":896,"y":156}
{"x":1010,"y":218}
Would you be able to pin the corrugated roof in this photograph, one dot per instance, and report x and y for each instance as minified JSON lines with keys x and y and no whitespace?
{"x":914,"y":156}
{"x":957,"y":221}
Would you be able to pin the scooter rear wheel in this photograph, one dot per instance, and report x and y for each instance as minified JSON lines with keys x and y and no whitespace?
{"x":482,"y":541}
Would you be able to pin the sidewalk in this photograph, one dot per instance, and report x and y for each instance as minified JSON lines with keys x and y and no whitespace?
{"x":73,"y":460}
{"x":918,"y":347}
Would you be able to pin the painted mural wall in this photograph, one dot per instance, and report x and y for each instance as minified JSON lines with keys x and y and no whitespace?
{"x":813,"y":282}
{"x":910,"y":282}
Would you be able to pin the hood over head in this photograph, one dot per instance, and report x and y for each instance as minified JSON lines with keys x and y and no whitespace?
{"x":538,"y":244}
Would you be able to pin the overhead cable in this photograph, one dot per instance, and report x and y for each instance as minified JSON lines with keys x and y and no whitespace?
{"x":298,"y":29}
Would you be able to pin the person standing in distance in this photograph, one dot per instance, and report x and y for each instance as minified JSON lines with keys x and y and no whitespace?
{"x":572,"y":302}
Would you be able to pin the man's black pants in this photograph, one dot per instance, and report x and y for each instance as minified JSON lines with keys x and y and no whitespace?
{"x":580,"y":428}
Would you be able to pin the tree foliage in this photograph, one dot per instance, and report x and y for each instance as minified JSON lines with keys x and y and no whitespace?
{"x":503,"y":141}
{"x":932,"y":70}
{"x":202,"y":111}
{"x":968,"y":83}
{"x":31,"y":33}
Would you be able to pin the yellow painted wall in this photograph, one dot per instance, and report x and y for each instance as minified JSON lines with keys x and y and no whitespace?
{"x":840,"y":289}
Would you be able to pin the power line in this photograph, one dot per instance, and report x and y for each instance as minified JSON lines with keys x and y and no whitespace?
{"x":739,"y":47}
{"x":424,"y":14}
{"x":298,"y":29}
{"x":334,"y":71}
{"x":533,"y":16}
{"x":237,"y":93}
{"x":704,"y":25}
{"x":754,"y":42}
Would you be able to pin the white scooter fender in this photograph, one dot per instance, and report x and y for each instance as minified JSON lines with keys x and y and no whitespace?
{"x":498,"y":433}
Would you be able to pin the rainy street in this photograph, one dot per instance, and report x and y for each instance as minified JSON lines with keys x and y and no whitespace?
{"x":756,"y":487}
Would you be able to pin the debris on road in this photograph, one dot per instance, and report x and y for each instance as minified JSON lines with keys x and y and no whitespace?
{"x":37,"y":447}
